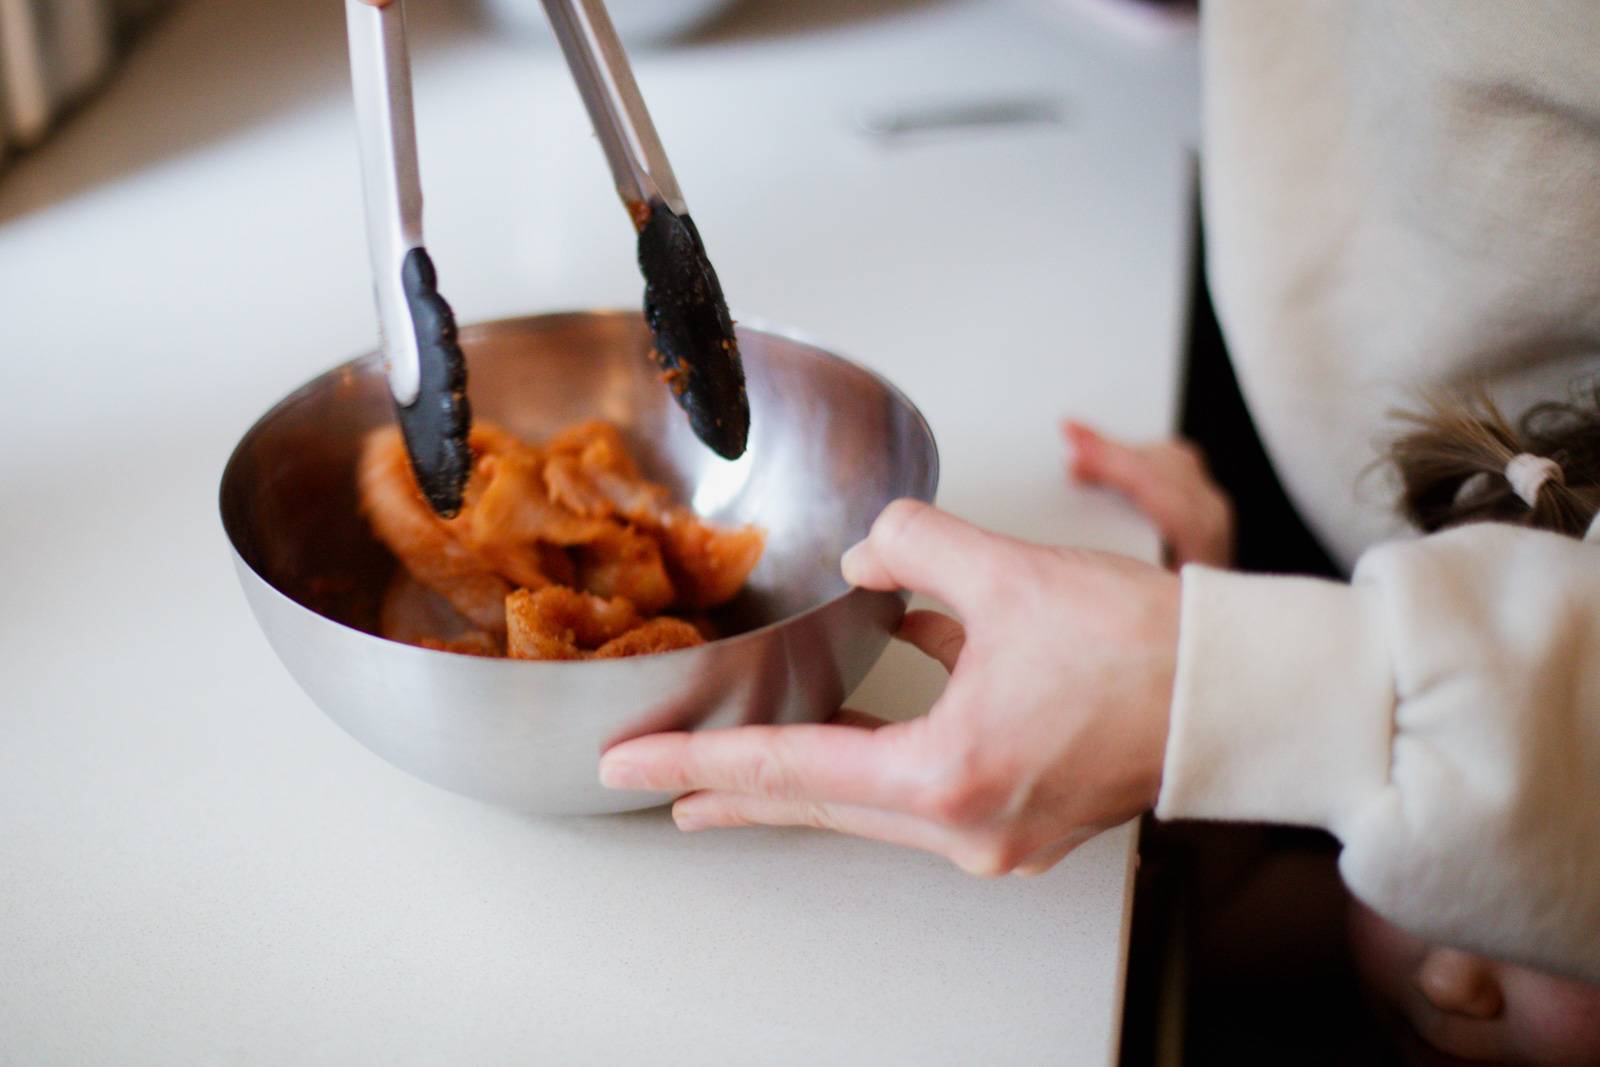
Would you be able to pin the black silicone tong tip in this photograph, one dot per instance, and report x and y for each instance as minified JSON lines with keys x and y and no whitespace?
{"x":436,"y":423}
{"x":695,"y":343}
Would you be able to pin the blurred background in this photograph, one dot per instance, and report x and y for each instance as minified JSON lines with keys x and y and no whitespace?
{"x":54,"y":54}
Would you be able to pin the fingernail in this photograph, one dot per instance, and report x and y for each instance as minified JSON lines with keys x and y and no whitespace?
{"x":689,"y":822}
{"x":853,"y":561}
{"x":619,"y":774}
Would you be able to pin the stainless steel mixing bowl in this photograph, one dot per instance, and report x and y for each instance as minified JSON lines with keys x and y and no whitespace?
{"x":830,"y":445}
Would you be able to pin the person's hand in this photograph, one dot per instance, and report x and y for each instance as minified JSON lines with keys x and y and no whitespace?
{"x":1167,"y":481}
{"x":1052,"y":727}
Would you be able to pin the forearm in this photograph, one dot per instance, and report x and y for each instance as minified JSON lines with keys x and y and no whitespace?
{"x":1441,"y":715}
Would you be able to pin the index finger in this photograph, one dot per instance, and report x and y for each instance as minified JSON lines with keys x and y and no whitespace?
{"x":919,"y":547}
{"x":832,"y":763}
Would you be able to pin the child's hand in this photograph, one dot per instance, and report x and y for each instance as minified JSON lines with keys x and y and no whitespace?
{"x":1168,"y":482}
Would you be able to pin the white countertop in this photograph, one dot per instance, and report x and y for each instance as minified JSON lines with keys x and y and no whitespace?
{"x":196,"y":866}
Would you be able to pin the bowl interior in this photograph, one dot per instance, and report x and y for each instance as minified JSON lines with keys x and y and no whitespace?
{"x":830,"y":444}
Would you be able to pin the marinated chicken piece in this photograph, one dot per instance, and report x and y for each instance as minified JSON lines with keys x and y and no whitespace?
{"x":570,"y":486}
{"x":664,"y":634}
{"x":531,"y":566}
{"x":559,"y":623}
{"x":536,"y":644}
{"x":562,"y":624}
{"x":708,"y":564}
{"x":599,"y":444}
{"x":515,"y":508}
{"x":425,"y":544}
{"x":488,"y":443}
{"x":595,"y":490}
{"x":488,"y":439}
{"x":626,"y":563}
{"x":591,"y":472}
{"x":476,"y":643}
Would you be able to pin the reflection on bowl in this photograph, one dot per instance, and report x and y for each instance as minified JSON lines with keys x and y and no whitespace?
{"x":830,"y":445}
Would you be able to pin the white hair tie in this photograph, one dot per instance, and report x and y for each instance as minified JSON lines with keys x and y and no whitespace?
{"x":1527,"y":474}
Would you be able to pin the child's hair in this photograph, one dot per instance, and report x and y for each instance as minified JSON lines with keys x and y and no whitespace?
{"x":1453,"y":466}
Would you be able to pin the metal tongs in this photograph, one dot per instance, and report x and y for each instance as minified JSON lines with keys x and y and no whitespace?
{"x":695,"y":342}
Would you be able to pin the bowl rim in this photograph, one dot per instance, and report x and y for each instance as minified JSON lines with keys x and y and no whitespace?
{"x":753,"y":323}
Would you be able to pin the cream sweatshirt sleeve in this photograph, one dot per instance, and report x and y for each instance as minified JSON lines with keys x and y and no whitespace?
{"x":1440,"y":715}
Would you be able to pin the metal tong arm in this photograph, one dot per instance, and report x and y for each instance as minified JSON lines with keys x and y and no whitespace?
{"x":427,"y":371}
{"x":600,"y":67}
{"x":380,"y":68}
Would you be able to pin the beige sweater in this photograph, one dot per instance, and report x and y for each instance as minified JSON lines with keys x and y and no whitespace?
{"x":1404,"y":195}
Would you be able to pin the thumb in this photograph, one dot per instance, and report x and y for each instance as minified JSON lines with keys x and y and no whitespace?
{"x":916,"y":546}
